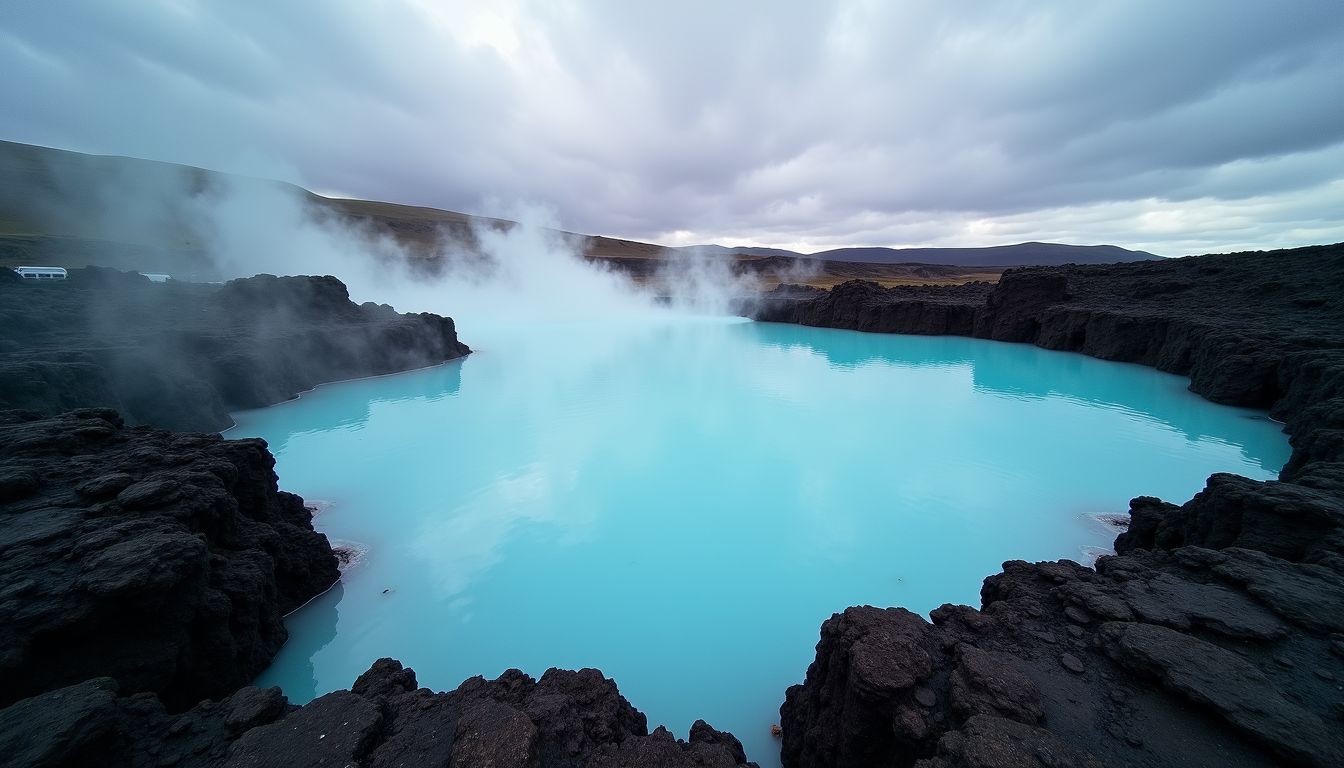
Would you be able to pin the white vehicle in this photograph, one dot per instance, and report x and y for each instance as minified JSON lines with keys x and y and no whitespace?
{"x":41,"y":273}
{"x":157,"y":277}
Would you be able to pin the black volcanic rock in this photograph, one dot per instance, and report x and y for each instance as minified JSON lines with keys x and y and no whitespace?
{"x":564,"y":719}
{"x":1155,"y":658}
{"x":862,"y":305}
{"x":795,"y":291}
{"x":1239,"y":343}
{"x":996,"y":742}
{"x":1282,"y":519}
{"x":163,"y":560}
{"x":1214,"y":637}
{"x":182,"y":355}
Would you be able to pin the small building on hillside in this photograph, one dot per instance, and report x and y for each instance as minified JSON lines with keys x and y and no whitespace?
{"x":41,"y":273}
{"x":157,"y":277}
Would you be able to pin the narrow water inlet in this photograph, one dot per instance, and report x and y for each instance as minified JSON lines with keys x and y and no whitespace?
{"x":682,"y":503}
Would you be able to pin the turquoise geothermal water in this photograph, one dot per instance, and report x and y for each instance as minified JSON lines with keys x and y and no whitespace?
{"x":681,"y":504}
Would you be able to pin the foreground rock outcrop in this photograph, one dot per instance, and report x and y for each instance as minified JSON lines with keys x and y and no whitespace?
{"x":564,"y":719}
{"x":182,"y":355}
{"x":1196,"y":654}
{"x":1214,"y":637}
{"x":164,"y":561}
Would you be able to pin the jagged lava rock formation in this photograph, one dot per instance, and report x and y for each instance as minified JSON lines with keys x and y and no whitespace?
{"x":565,"y":719}
{"x":182,"y":355}
{"x":1232,"y":322}
{"x":1215,"y":636}
{"x":162,"y":560}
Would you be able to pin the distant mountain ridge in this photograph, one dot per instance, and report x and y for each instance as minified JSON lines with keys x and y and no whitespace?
{"x":751,"y":250}
{"x":52,"y":210}
{"x":1020,"y":254}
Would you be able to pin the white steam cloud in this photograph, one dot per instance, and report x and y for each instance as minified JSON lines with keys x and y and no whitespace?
{"x":201,"y":225}
{"x":528,"y":273}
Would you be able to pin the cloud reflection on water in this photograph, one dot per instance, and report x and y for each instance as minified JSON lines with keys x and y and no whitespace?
{"x":726,"y":484}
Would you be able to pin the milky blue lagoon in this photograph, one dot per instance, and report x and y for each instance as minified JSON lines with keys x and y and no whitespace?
{"x":682,"y":503}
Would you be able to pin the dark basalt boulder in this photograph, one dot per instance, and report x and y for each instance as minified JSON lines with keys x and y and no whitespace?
{"x":162,"y":560}
{"x":996,"y":742}
{"x":564,"y":719}
{"x":1282,"y":519}
{"x":182,"y":355}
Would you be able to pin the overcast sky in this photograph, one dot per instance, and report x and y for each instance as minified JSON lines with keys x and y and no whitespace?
{"x":1174,"y":126}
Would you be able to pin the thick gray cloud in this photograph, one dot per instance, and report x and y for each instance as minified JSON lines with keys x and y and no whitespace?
{"x":1177,"y":127}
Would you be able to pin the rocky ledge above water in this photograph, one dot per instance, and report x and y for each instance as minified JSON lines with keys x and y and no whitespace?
{"x":1240,"y":325}
{"x":1217,"y":651}
{"x":1215,"y":637}
{"x":182,"y":355}
{"x":564,"y":720}
{"x":162,"y":560}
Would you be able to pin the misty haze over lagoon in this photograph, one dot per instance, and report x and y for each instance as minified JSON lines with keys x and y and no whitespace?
{"x":680,"y":501}
{"x":696,"y":365}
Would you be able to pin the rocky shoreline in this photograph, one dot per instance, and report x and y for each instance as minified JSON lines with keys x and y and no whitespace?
{"x":1214,"y":637}
{"x":145,"y":573}
{"x":144,"y":576}
{"x":162,"y":560}
{"x":183,"y":355}
{"x":564,"y":719}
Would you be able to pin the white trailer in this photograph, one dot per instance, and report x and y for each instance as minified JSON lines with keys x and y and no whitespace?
{"x":41,"y":273}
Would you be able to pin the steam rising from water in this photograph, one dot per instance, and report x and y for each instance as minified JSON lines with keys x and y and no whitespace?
{"x":531,"y":272}
{"x":528,"y":273}
{"x":179,"y":219}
